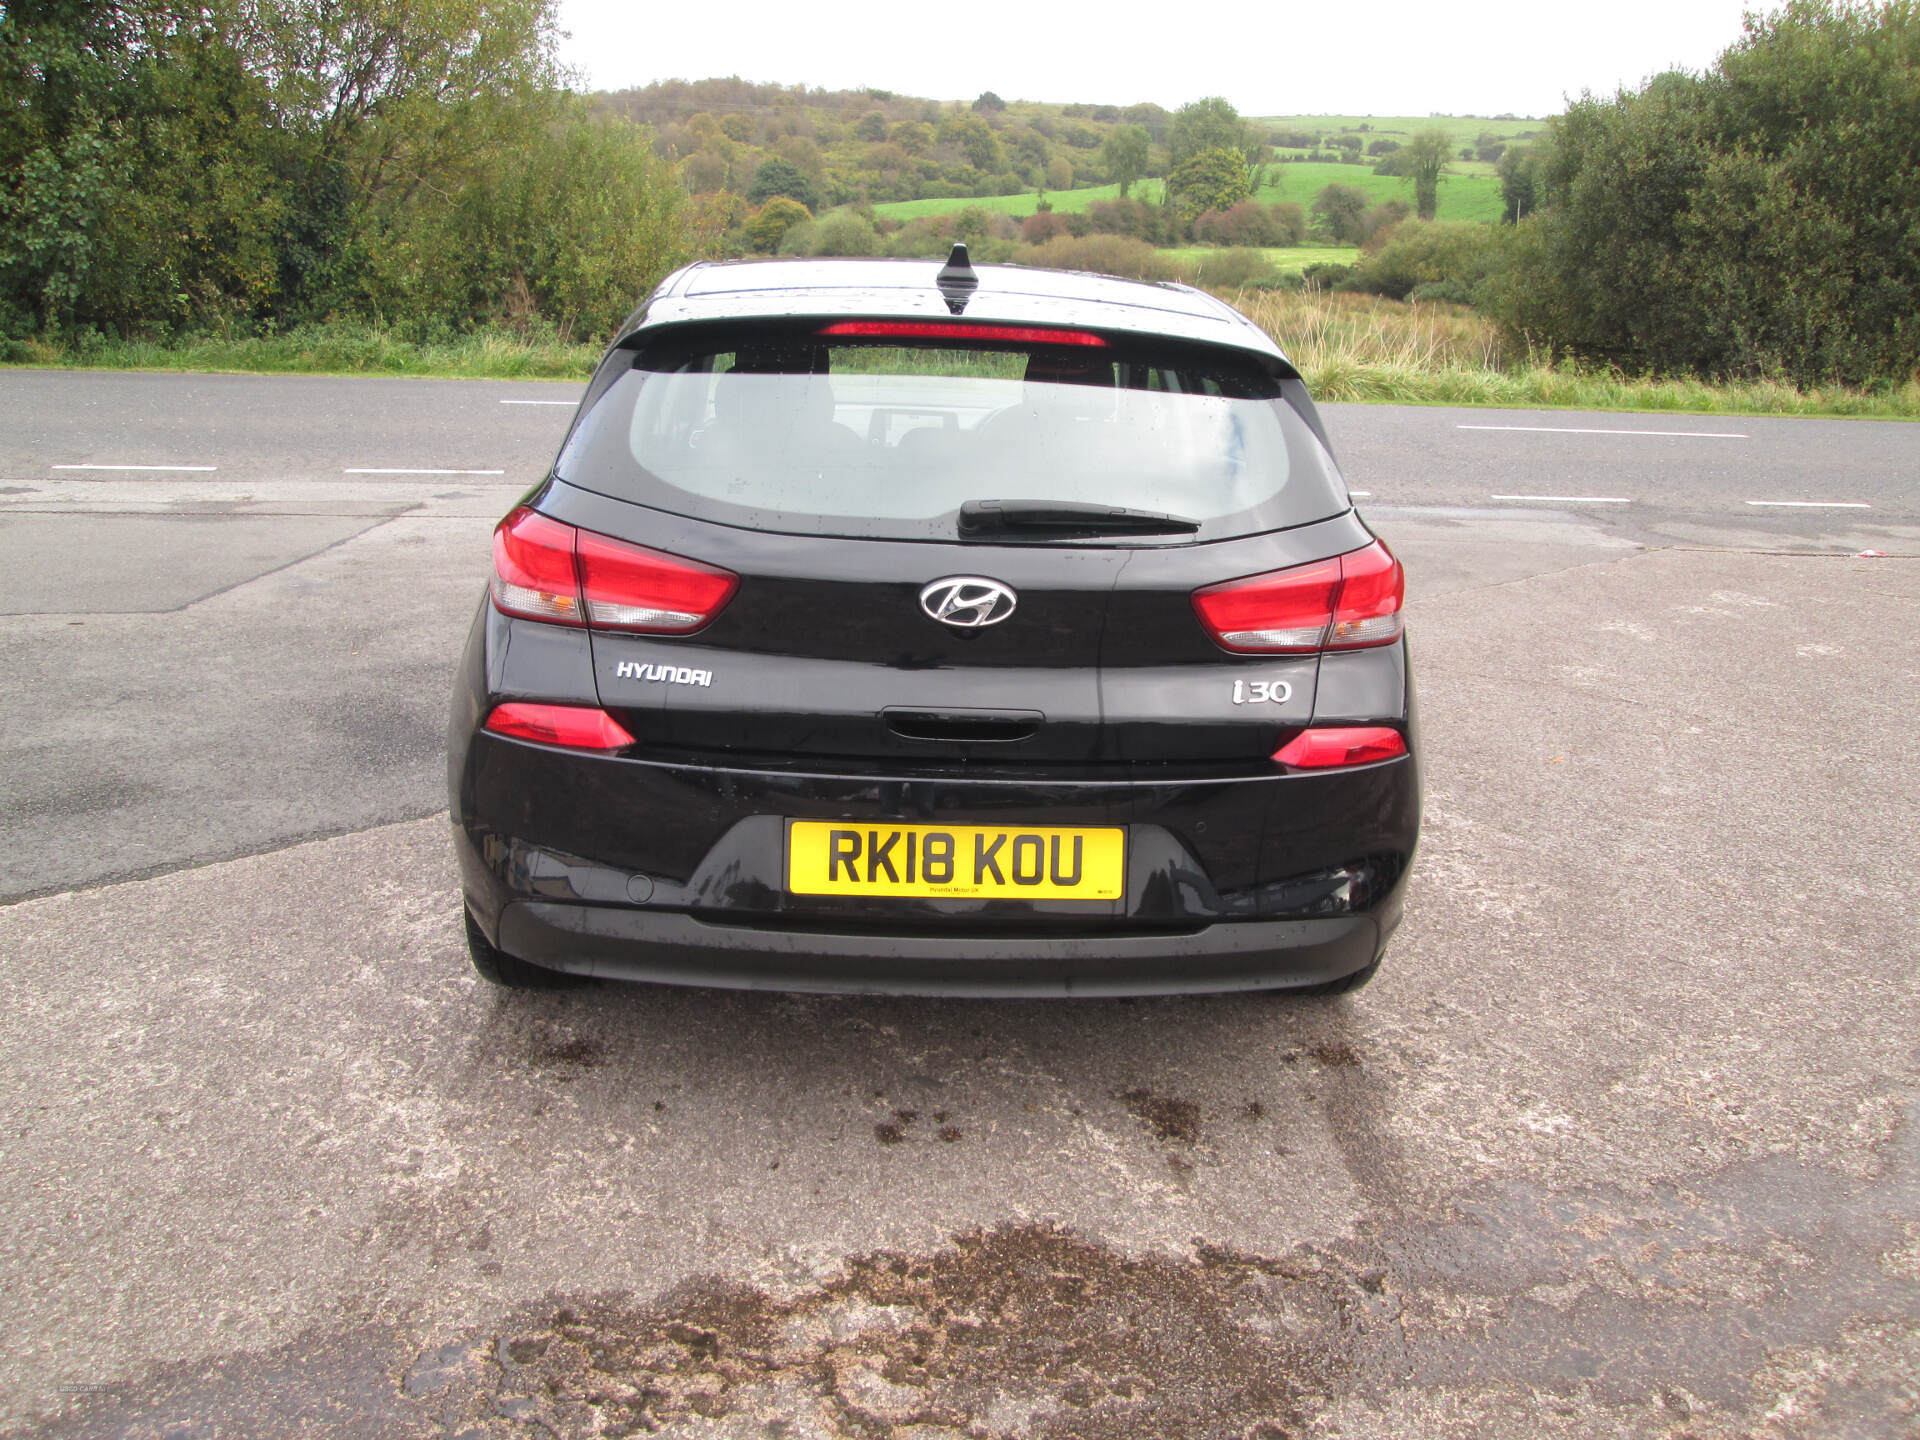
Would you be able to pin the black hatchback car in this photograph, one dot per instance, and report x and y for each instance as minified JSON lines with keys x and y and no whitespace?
{"x":892,"y":627}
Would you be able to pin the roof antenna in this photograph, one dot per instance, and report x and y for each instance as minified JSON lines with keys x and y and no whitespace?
{"x":956,"y":280}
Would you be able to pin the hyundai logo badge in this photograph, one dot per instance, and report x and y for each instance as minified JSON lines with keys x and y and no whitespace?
{"x":967,"y":601}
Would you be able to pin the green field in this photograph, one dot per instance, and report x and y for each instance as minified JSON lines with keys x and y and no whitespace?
{"x":1471,"y":193}
{"x":1463,"y":195}
{"x":1065,"y":201}
{"x":1464,"y":129}
{"x":1284,"y":258}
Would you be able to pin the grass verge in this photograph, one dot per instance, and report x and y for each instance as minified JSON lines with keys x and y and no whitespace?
{"x":1349,"y":347}
{"x":324,"y":350}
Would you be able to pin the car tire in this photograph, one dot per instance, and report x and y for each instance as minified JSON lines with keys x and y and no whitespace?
{"x":499,"y":968}
{"x":1345,"y":985}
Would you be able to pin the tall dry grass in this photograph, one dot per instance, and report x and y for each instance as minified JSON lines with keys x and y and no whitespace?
{"x":1364,"y":348}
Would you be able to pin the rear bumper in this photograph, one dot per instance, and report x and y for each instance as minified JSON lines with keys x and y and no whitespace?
{"x":620,"y":943}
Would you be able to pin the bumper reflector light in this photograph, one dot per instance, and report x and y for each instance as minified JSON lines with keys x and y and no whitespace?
{"x":1332,"y":746}
{"x":577,"y":727}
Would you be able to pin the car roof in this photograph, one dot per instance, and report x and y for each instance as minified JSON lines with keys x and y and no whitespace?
{"x":907,"y":289}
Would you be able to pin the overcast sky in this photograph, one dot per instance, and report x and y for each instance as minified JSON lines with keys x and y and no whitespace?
{"x":1383,"y":57}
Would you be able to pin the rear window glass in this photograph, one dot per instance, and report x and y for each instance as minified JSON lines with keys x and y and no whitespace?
{"x":890,"y":440}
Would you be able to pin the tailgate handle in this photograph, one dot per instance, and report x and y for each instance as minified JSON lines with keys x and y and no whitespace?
{"x":992,"y":727}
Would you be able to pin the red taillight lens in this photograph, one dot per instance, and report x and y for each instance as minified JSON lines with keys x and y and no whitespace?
{"x":1347,"y":745}
{"x":1346,"y":603}
{"x":533,"y":571}
{"x":631,"y":588}
{"x":577,"y":727}
{"x":545,"y":570}
{"x":1284,"y":610}
{"x":1372,"y":587}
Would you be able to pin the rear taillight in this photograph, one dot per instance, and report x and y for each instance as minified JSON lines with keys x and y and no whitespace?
{"x":1346,"y":603}
{"x":533,"y":571}
{"x":629,"y":588}
{"x":545,"y":570}
{"x":1329,"y":746}
{"x":578,"y":727}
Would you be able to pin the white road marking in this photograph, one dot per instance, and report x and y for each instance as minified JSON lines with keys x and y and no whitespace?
{"x":1574,"y":499}
{"x":167,"y":469}
{"x":1570,"y":430}
{"x":539,"y":402}
{"x":1815,"y":504}
{"x":1361,"y":494}
{"x":423,"y":472}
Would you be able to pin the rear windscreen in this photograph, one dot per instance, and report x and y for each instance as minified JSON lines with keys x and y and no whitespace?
{"x":890,"y":440}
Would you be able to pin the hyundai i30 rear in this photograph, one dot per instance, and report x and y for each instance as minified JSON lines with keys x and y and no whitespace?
{"x":993,"y":633}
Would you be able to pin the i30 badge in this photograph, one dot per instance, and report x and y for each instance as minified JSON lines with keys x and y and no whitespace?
{"x":967,"y":601}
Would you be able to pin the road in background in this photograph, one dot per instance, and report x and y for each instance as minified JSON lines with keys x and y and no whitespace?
{"x":1668,"y":469}
{"x":1623,"y":1141}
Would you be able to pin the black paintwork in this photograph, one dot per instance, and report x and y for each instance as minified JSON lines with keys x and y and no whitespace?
{"x":1101,"y":701}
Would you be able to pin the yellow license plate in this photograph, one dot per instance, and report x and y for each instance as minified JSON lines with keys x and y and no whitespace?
{"x":971,"y":861}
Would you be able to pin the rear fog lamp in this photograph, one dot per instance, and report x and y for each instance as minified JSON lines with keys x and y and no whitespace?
{"x":1332,"y":746}
{"x":577,"y":727}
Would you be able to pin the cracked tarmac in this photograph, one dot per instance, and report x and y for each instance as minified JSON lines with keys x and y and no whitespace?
{"x":1621,"y":1143}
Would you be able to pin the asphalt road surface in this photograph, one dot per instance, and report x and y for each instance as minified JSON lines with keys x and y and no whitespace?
{"x":1621,"y":1143}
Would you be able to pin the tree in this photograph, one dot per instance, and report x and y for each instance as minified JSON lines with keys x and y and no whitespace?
{"x":1759,"y":219}
{"x":1209,"y":124}
{"x":1124,"y":155}
{"x":1337,"y":210}
{"x":989,"y":103}
{"x":1516,"y":168}
{"x":1424,"y":160}
{"x":1211,"y":180}
{"x":870,"y":126}
{"x":782,"y":177}
{"x":974,"y":139}
{"x":913,"y":136}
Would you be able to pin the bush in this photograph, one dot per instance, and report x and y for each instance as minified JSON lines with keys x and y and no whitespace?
{"x":769,"y":224}
{"x":839,"y":232}
{"x":1152,"y":223}
{"x":1249,"y":223}
{"x":1325,"y":276}
{"x":1233,"y":270}
{"x":1041,"y":227}
{"x":1377,"y":223}
{"x":1460,"y":256}
{"x":1103,"y":254}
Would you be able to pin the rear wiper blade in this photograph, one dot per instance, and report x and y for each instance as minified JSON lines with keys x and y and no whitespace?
{"x":1065,"y":517}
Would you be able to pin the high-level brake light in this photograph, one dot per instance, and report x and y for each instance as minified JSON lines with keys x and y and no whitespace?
{"x":578,"y":727}
{"x":958,"y":330}
{"x":1346,"y":603}
{"x":1330,"y":746}
{"x":545,"y":570}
